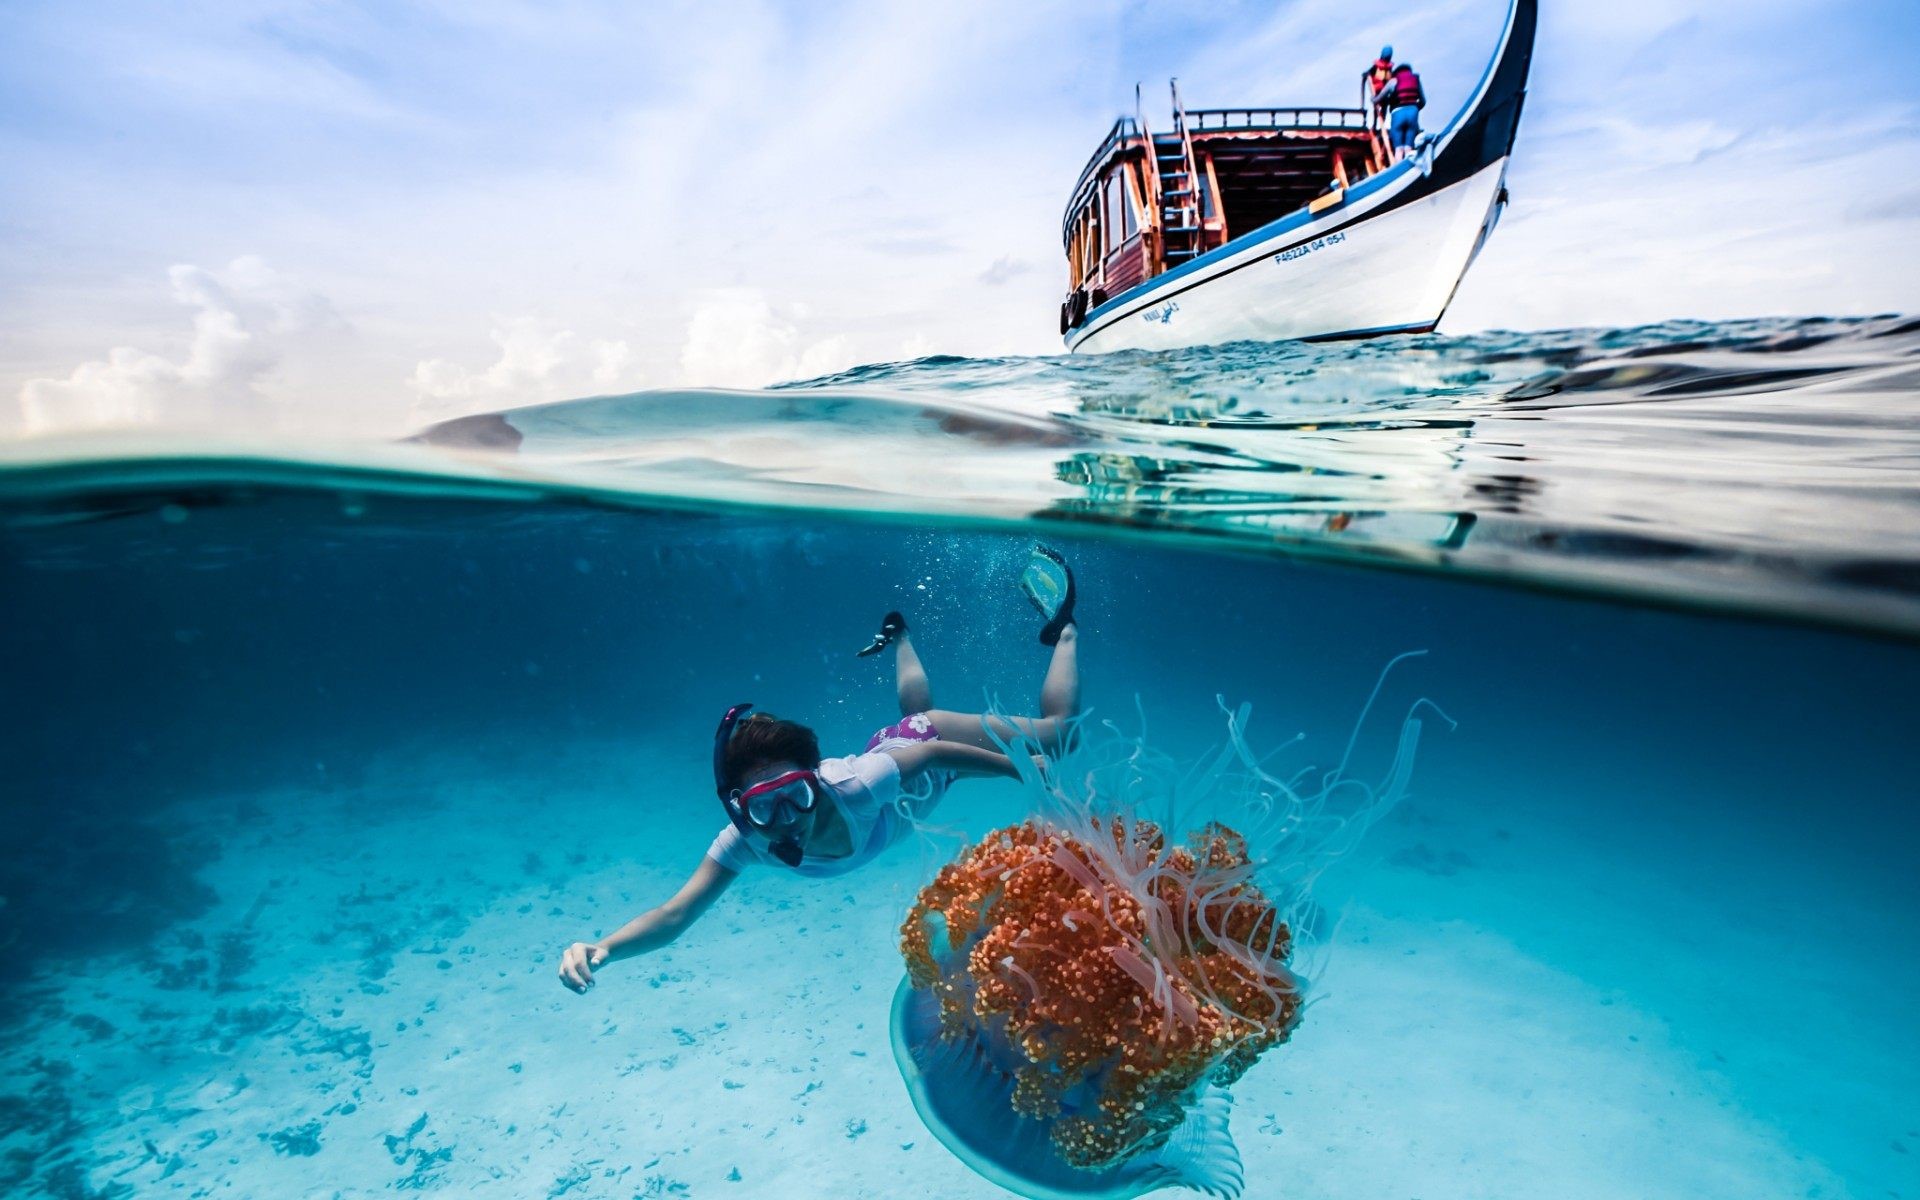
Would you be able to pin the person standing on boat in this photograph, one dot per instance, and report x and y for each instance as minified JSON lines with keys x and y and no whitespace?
{"x":1377,"y":75}
{"x":788,"y":808}
{"x":1403,"y":98}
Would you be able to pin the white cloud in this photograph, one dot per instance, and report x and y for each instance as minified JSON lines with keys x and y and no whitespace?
{"x":1003,"y":269}
{"x":1618,"y":141}
{"x":245,"y":319}
{"x":601,"y":205}
{"x":670,"y":183}
{"x":736,"y":338}
{"x":1710,"y":228}
{"x":538,"y":361}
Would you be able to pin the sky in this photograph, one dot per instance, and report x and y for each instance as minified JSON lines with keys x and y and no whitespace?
{"x":359,"y":218}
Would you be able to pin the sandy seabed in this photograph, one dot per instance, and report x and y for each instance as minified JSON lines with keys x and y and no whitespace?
{"x":369,"y":1004}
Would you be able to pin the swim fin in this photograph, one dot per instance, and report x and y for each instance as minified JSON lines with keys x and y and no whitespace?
{"x":891,"y":626}
{"x":1048,"y":583}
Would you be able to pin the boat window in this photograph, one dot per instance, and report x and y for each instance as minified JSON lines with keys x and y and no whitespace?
{"x":1132,"y":224}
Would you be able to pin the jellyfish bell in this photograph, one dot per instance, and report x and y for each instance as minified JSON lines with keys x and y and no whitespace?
{"x":966,"y":1082}
{"x":1077,"y":999}
{"x":963,"y":1088}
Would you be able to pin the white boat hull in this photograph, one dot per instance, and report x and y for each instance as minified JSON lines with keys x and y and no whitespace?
{"x":1336,"y":277}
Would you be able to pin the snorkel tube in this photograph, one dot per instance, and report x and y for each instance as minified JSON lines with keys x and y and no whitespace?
{"x":721,"y":737}
{"x":787,"y":849}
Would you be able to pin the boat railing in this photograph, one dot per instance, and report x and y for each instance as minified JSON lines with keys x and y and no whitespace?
{"x":1124,"y":130}
{"x":1376,"y":115}
{"x":1202,"y":120}
{"x":1150,"y":198}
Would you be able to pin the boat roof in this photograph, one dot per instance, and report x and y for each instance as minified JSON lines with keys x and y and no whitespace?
{"x":1309,"y":121}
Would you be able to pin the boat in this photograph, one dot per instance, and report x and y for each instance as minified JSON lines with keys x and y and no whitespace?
{"x":1269,"y":224}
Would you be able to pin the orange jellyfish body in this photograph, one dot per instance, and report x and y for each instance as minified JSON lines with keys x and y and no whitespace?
{"x":1122,"y":974}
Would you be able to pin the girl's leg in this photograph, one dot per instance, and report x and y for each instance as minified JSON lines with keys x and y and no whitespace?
{"x":1060,"y":690}
{"x":1059,"y":699}
{"x":910,"y":678}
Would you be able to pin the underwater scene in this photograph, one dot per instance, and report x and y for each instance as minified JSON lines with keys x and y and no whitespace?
{"x":1467,"y":767}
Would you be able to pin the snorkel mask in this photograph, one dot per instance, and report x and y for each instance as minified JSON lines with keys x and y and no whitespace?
{"x":767,"y":807}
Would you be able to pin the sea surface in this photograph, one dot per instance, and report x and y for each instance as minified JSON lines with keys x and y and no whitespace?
{"x":318,"y":754}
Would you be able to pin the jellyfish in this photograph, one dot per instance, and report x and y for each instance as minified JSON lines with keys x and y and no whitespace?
{"x":1082,"y":988}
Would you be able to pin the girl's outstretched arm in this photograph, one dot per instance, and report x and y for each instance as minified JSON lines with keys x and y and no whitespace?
{"x":650,"y":930}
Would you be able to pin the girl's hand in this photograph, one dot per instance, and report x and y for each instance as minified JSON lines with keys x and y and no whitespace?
{"x":577,"y":964}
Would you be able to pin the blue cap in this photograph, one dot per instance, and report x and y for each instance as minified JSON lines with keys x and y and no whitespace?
{"x":1386,"y":52}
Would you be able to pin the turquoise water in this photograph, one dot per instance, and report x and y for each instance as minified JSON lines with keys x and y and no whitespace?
{"x":321,"y":754}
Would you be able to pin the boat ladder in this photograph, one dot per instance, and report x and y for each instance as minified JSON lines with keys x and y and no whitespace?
{"x":1179,"y":190}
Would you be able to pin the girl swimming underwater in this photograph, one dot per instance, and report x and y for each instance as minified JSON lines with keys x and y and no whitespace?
{"x":789,"y":808}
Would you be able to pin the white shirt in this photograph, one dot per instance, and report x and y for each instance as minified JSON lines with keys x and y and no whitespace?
{"x":867,"y":787}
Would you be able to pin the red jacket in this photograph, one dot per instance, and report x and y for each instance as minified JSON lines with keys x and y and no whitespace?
{"x":1406,"y":90}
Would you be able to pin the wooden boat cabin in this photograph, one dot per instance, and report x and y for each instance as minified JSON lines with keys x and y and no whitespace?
{"x":1148,"y":202}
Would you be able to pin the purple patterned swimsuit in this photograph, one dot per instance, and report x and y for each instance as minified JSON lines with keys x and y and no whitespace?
{"x":920,"y":798}
{"x":916,"y":728}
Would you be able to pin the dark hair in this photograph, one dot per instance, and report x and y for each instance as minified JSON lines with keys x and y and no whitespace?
{"x":762,"y":739}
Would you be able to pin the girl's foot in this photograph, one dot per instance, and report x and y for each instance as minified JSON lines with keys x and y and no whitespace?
{"x":1048,"y":583}
{"x":891,"y":626}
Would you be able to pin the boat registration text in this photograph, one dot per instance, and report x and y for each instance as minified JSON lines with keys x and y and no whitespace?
{"x":1306,"y":248}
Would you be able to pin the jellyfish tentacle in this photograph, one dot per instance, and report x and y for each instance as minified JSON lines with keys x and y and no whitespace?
{"x":1360,"y":721}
